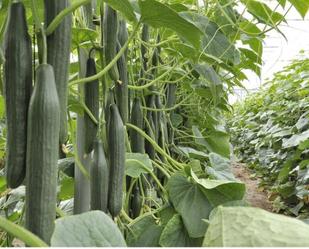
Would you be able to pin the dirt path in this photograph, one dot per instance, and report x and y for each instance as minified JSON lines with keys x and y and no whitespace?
{"x":254,"y":196}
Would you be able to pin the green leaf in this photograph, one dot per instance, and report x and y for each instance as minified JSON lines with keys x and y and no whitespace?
{"x":302,"y":6}
{"x":144,"y":233}
{"x":214,"y":42}
{"x":123,"y":6}
{"x":81,"y":35}
{"x":220,"y":167}
{"x":262,"y":12}
{"x":159,"y":15}
{"x":216,"y":141}
{"x":295,"y":140}
{"x":174,"y":234}
{"x":253,"y":227}
{"x":192,"y":153}
{"x":221,"y":191}
{"x":191,"y":203}
{"x":90,"y":229}
{"x":137,"y":164}
{"x":2,"y":183}
{"x":66,"y":188}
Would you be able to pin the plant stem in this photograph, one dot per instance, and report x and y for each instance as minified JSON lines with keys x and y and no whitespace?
{"x":41,"y":28}
{"x":155,"y":145}
{"x":21,"y":233}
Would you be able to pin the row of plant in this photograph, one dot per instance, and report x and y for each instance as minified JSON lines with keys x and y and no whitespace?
{"x":107,"y":138}
{"x":270,"y":133}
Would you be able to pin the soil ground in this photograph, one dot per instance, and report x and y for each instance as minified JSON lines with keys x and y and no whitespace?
{"x":254,"y":196}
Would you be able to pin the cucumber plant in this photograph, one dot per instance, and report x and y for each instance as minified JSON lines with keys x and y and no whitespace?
{"x":134,"y":93}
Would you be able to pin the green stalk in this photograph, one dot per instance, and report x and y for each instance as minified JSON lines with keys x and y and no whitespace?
{"x":21,"y":233}
{"x":110,"y":65}
{"x":58,"y":19}
{"x":38,"y":23}
{"x":155,"y":145}
{"x":142,"y":87}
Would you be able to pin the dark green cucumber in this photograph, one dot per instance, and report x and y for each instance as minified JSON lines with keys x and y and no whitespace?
{"x":149,"y":149}
{"x":170,"y":95}
{"x":42,"y":154}
{"x":121,"y":89}
{"x":17,"y":89}
{"x":123,"y":34}
{"x":92,"y":102}
{"x":110,"y":29}
{"x":144,"y":50}
{"x":136,"y":202}
{"x":137,"y":119}
{"x":58,"y":55}
{"x":117,"y":153}
{"x":99,"y":175}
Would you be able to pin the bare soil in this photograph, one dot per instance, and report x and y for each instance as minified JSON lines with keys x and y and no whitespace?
{"x":255,"y":196}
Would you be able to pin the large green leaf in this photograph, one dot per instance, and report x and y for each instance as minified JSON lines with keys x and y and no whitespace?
{"x":221,"y":191}
{"x":220,"y":167}
{"x":137,"y":163}
{"x":159,"y":15}
{"x":91,"y":229}
{"x":174,"y":234}
{"x":145,"y":233}
{"x":302,"y":6}
{"x":123,"y":6}
{"x":215,"y":141}
{"x":253,"y":227}
{"x":214,"y":42}
{"x":295,"y":140}
{"x":262,"y":12}
{"x":191,"y":203}
{"x":195,"y":199}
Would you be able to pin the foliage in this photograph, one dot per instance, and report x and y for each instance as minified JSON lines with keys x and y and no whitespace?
{"x":253,"y":227}
{"x":182,"y":59}
{"x":270,"y":132}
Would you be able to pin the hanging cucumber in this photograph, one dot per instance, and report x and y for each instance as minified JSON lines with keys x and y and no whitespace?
{"x":137,"y":119}
{"x":42,"y":154}
{"x":170,"y":95}
{"x":17,"y":89}
{"x":144,"y":50}
{"x":117,"y":151}
{"x":136,"y":202}
{"x":123,"y":34}
{"x":99,"y":175}
{"x":149,"y":129}
{"x":121,"y":89}
{"x":110,"y":28}
{"x":58,"y":55}
{"x":92,"y":102}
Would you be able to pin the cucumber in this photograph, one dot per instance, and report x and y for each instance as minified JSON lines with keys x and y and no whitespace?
{"x":99,"y":175}
{"x":117,"y":151}
{"x":17,"y":91}
{"x":137,"y":119}
{"x":123,"y":34}
{"x":136,"y":202}
{"x":110,"y":29}
{"x":58,"y":55}
{"x":149,"y":149}
{"x":144,"y":50}
{"x":121,"y":90}
{"x":42,"y":154}
{"x":92,"y":102}
{"x":170,"y":95}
